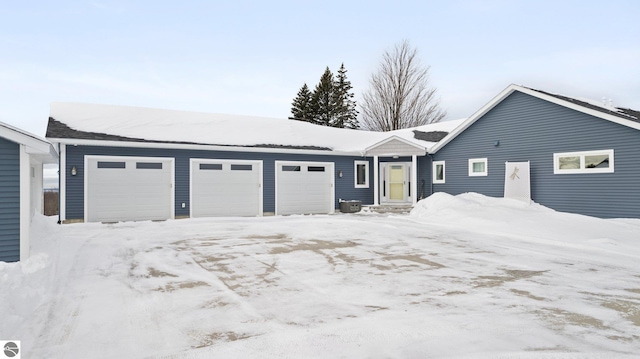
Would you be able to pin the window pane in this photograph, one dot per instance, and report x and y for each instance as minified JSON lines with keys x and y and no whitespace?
{"x":439,"y":172}
{"x":291,"y":168}
{"x":149,"y":165}
{"x":569,"y":163}
{"x":361,"y":174}
{"x":315,"y":169}
{"x":104,"y":164}
{"x":211,"y":166}
{"x":478,"y":167}
{"x":598,"y":161}
{"x":241,"y":167}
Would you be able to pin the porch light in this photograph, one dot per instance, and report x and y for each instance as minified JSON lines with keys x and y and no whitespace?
{"x":340,"y":174}
{"x":74,"y":171}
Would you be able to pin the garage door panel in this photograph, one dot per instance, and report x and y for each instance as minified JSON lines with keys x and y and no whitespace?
{"x":226,"y":188}
{"x":128,"y":188}
{"x":304,"y":187}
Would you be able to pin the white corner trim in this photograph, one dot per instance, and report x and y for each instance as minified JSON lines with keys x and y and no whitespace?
{"x":62,"y":178}
{"x":25,"y":202}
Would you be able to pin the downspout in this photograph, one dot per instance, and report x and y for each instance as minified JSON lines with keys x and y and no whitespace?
{"x":431,"y":180}
{"x":59,"y":184}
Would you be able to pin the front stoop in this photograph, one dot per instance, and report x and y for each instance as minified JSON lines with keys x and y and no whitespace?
{"x":388,"y":208}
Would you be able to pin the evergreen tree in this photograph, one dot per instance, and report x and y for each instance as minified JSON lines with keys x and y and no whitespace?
{"x":323,"y":102}
{"x":301,"y":106}
{"x":330,"y":104}
{"x":346,"y":115}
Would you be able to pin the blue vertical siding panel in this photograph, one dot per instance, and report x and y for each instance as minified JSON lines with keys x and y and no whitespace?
{"x":424,"y":177}
{"x":344,"y":186}
{"x":531,"y":129}
{"x":9,"y":201}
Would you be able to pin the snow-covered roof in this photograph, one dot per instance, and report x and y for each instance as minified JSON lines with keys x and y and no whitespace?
{"x":36,"y":146}
{"x":80,"y":121}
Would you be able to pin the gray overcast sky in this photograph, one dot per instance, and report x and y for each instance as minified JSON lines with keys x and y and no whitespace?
{"x":251,"y":57}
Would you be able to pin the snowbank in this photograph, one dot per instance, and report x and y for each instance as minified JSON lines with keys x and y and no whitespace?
{"x":480,"y":213}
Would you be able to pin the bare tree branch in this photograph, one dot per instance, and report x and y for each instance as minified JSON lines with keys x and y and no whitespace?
{"x":400,"y":94}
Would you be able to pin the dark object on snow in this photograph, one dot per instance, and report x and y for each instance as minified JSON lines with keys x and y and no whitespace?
{"x":433,"y":136}
{"x":350,"y":206}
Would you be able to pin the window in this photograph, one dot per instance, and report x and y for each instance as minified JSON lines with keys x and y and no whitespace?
{"x":315,"y":169}
{"x":438,"y":172}
{"x":291,"y":168}
{"x":149,"y":165}
{"x":583,"y":162}
{"x":211,"y":166}
{"x":105,"y":164}
{"x":361,"y":171}
{"x":478,"y":167}
{"x":242,"y":167}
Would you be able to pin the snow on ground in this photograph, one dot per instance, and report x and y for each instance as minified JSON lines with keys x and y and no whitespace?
{"x":460,"y":277}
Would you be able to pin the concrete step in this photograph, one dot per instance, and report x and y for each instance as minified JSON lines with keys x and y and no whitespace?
{"x":388,"y":208}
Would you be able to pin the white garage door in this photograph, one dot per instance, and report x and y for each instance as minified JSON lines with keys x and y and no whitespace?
{"x":226,"y":188}
{"x":304,"y":187}
{"x":128,"y":188}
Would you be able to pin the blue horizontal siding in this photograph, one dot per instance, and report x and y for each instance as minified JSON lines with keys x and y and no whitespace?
{"x":344,"y":186}
{"x":531,"y":129}
{"x":9,"y":201}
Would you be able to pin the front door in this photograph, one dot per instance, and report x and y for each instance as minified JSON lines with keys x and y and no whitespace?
{"x":396,"y":185}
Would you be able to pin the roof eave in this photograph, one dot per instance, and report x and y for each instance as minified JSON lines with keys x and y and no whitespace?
{"x":508,"y":91}
{"x":230,"y":148}
{"x":420,"y":150}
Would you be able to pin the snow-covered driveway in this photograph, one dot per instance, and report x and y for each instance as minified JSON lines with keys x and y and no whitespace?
{"x":464,"y":276}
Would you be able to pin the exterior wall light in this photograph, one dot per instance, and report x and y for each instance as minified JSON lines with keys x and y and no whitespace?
{"x":74,"y":171}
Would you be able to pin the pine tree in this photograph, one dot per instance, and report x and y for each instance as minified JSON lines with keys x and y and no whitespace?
{"x":323,"y":100}
{"x":346,"y":115}
{"x":301,"y":106}
{"x":330,"y":104}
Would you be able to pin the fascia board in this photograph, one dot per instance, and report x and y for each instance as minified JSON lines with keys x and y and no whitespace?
{"x":394,"y":137}
{"x":71,"y":142}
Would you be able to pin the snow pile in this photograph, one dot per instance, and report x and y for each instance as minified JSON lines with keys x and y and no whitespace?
{"x":220,"y":129}
{"x":512,"y":217}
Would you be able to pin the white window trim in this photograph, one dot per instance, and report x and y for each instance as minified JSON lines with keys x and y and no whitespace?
{"x":433,"y":172}
{"x":478,"y":160}
{"x":582,"y":169}
{"x":366,"y":174}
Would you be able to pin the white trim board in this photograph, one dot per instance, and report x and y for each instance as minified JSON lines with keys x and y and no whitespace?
{"x":144,"y":144}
